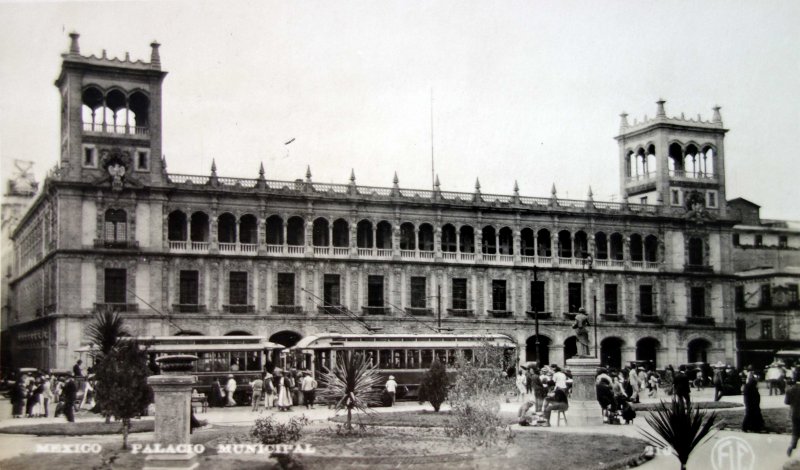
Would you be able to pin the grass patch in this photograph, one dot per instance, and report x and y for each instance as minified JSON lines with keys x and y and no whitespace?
{"x":416,"y":419}
{"x":77,"y":429}
{"x":775,"y":419}
{"x":706,"y":405}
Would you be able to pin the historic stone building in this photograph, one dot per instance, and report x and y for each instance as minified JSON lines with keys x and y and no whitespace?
{"x":205,"y":254}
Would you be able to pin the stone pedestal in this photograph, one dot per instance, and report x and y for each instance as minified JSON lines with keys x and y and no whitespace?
{"x":584,"y":410}
{"x":173,"y":399}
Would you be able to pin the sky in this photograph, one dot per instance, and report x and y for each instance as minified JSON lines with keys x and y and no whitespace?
{"x":526,"y":91}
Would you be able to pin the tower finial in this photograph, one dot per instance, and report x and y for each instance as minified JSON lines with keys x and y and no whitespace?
{"x":74,"y":47}
{"x":553,"y":190}
{"x":436,"y":184}
{"x":623,"y":121}
{"x":213,"y":167}
{"x":155,"y":58}
{"x":717,"y":116}
{"x":261,"y":170}
{"x":660,"y":112}
{"x":308,"y":173}
{"x":477,"y":184}
{"x":395,"y":180}
{"x":352,"y":176}
{"x":516,"y":188}
{"x":591,"y":195}
{"x":163,"y":163}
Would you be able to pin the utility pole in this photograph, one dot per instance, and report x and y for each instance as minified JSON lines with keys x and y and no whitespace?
{"x":536,"y":315}
{"x":439,"y":306}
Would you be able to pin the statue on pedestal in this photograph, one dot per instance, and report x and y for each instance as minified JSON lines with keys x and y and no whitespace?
{"x":581,"y":328}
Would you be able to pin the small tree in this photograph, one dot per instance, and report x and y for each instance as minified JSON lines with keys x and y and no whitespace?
{"x":122,"y":390}
{"x":680,"y":428}
{"x":351,"y":385}
{"x":435,"y":383}
{"x":106,"y":329}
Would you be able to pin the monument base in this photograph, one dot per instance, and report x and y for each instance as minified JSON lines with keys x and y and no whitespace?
{"x":171,"y":462}
{"x":584,"y":410}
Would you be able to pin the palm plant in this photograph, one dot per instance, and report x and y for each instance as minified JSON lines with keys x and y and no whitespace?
{"x":680,"y":428}
{"x":352,"y":384}
{"x":106,"y":329}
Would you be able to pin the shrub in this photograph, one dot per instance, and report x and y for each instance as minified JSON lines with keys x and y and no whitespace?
{"x":351,"y":385}
{"x":435,"y":383}
{"x":680,"y":428}
{"x":268,"y":431}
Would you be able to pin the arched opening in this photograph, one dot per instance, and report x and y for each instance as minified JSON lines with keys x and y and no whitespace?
{"x":176,"y":226}
{"x":650,"y":161}
{"x":527,"y":247}
{"x":248,"y":229}
{"x":651,"y":248}
{"x":364,"y":234}
{"x":383,"y":235}
{"x":226,"y":228}
{"x":506,"y":237}
{"x":615,"y":250}
{"x":407,"y":236}
{"x":489,"y":240}
{"x":611,"y":352}
{"x":708,"y":162}
{"x":139,"y":105}
{"x":564,"y":244}
{"x":540,"y":354}
{"x":198,"y":227}
{"x":286,"y":338}
{"x":295,"y":231}
{"x":637,"y":247}
{"x":319,"y":232}
{"x":581,"y":244}
{"x":341,"y":233}
{"x":697,"y":350}
{"x":116,"y":120}
{"x":641,"y":161}
{"x":601,"y":245}
{"x":630,"y":164}
{"x":467,"y":239}
{"x":647,"y":350}
{"x":570,"y":347}
{"x":92,"y":99}
{"x":543,"y":242}
{"x":693,"y":155}
{"x":274,"y":230}
{"x":116,"y":225}
{"x":696,"y":251}
{"x":675,"y":153}
{"x":426,"y":237}
{"x":188,"y":333}
{"x":449,"y":238}
{"x":238,"y":333}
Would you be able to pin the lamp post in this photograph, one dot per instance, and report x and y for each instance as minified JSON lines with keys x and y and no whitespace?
{"x":587,"y":261}
{"x":536,"y":317}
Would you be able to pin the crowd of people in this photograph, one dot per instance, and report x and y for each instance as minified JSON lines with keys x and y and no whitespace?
{"x":34,"y":394}
{"x":542,"y":391}
{"x":280,"y":389}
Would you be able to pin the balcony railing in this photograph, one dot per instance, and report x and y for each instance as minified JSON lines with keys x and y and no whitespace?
{"x":700,"y":320}
{"x":341,"y":251}
{"x":118,"y":307}
{"x":649,"y":318}
{"x":375,"y":310}
{"x":188,"y":308}
{"x":460,"y":312}
{"x":287,"y":309}
{"x":119,"y":129}
{"x":332,"y":309}
{"x":117,"y":244}
{"x":615,"y":317}
{"x":239,"y":308}
{"x":540,"y":315}
{"x":419,"y":312}
{"x":699,"y":268}
{"x":500,"y":313}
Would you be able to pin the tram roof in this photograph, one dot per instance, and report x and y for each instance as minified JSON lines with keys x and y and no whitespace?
{"x":198,"y":343}
{"x":410,"y":340}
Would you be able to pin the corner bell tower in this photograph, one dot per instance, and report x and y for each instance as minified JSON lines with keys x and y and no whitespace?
{"x":111,"y":118}
{"x":673,"y":161}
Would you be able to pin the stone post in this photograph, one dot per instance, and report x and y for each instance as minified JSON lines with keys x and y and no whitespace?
{"x":584,"y":410}
{"x":172,"y":390}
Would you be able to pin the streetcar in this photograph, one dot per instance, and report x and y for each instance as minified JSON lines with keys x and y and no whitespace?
{"x":405,"y":356}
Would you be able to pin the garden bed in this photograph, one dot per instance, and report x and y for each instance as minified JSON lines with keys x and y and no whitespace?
{"x":420,"y":418}
{"x":75,"y":429}
{"x":706,"y":405}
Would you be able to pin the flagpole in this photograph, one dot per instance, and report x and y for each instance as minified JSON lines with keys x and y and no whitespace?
{"x":433,"y":183}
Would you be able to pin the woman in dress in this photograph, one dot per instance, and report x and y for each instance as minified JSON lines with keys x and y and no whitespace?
{"x":753,"y":420}
{"x":284,"y":393}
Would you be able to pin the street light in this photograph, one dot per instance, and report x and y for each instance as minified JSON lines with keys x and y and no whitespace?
{"x":588,"y":261}
{"x":536,"y":317}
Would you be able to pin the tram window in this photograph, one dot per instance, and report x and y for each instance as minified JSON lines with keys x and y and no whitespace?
{"x":427,"y":359}
{"x":254,"y":361}
{"x":386,"y":359}
{"x":441,"y":356}
{"x":221,"y":362}
{"x":413,"y":358}
{"x":371,"y":358}
{"x":451,"y":356}
{"x":467,"y":355}
{"x":203,"y":362}
{"x":237,"y":361}
{"x":400,"y":359}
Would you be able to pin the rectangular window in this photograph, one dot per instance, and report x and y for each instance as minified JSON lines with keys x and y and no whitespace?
{"x":791,"y":294}
{"x":610,"y":294}
{"x":766,"y":295}
{"x":459,"y":294}
{"x":759,"y":240}
{"x":499,"y":294}
{"x":285,"y":288}
{"x":238,"y":288}
{"x":331,"y":293}
{"x":735,"y":239}
{"x":575,"y":296}
{"x":375,"y":291}
{"x":739,"y":297}
{"x":115,"y":286}
{"x":142,"y":160}
{"x":418,"y":292}
{"x":766,"y":329}
{"x":188,"y":294}
{"x":676,"y":197}
{"x":783,"y":241}
{"x":698,"y":301}
{"x":89,"y":157}
{"x":741,"y":330}
{"x":646,"y":300}
{"x":643,"y":200}
{"x":537,"y":296}
{"x":711,"y":199}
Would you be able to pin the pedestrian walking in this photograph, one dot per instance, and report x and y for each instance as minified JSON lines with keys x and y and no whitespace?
{"x":308,"y":386}
{"x":753,"y":420}
{"x":521,"y":385}
{"x":230,"y":388}
{"x":391,"y":389}
{"x":269,"y":391}
{"x":284,"y":393}
{"x":257,"y":386}
{"x":682,"y":387}
{"x":70,"y":393}
{"x":793,"y":400}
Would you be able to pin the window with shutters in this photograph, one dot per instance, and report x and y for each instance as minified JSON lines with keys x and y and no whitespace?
{"x":574,"y":296}
{"x":285,"y":288}
{"x":537,"y":296}
{"x":115,"y":286}
{"x":459,"y":294}
{"x":418,"y":292}
{"x":499,"y":294}
{"x":189,"y":288}
{"x":375,"y":291}
{"x":610,"y":295}
{"x":331,"y":293}
{"x":238,"y":288}
{"x":116,"y":225}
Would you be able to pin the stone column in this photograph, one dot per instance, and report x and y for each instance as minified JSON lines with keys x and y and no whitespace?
{"x":173,"y":399}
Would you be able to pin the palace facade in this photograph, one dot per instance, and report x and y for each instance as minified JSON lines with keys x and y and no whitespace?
{"x":210,"y":255}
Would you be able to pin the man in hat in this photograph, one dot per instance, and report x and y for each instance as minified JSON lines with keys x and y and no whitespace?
{"x":719,"y":380}
{"x":230,"y":387}
{"x":70,"y":393}
{"x":391,"y":389}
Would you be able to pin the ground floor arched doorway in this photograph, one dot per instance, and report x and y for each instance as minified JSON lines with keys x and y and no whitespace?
{"x":697,"y":350}
{"x":283,"y":359}
{"x":611,"y":352}
{"x":647,"y":350}
{"x":542,"y":355}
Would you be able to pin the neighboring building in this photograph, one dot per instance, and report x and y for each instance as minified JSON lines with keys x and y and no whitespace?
{"x":766,"y":256}
{"x":20,"y":190}
{"x":212,"y":255}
